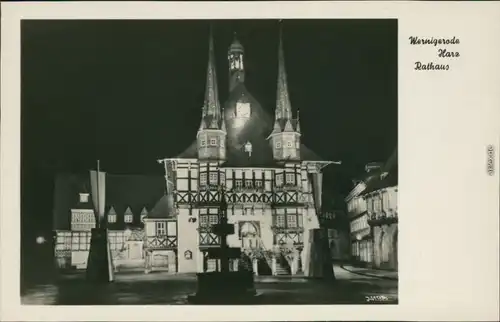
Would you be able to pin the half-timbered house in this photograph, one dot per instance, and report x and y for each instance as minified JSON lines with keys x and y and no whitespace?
{"x":271,"y":180}
{"x":128,"y":200}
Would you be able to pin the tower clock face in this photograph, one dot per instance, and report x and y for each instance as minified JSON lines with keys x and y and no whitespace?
{"x":242,"y":110}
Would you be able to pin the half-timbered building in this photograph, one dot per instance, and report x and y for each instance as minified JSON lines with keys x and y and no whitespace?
{"x":128,"y":200}
{"x":272,"y":182}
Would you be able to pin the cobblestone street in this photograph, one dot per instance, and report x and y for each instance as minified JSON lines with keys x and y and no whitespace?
{"x":137,"y":288}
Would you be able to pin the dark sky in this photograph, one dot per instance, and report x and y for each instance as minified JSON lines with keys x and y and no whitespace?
{"x":130,"y":92}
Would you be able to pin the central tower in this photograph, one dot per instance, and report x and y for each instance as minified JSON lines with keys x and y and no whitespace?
{"x":236,"y":70}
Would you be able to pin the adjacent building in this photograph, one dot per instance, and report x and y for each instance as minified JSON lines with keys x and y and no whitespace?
{"x":128,"y":200}
{"x":272,"y":184}
{"x":373,"y":211}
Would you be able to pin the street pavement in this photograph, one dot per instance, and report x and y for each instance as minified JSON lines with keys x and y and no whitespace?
{"x":137,"y":288}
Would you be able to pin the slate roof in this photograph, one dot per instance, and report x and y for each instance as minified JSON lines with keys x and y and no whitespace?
{"x":122,"y":191}
{"x":67,"y":191}
{"x":376,"y":181}
{"x":256,"y":131}
{"x":163,"y":208}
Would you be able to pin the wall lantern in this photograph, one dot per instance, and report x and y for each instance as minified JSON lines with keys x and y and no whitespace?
{"x":188,"y":255}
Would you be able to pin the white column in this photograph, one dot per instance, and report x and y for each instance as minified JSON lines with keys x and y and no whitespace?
{"x":255,"y":266}
{"x":295,"y":263}
{"x":273,"y":268}
{"x":199,"y":260}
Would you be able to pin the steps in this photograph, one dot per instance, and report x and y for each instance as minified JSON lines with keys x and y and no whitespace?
{"x":282,"y":266}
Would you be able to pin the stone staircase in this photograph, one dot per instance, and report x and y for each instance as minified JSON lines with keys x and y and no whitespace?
{"x":282,"y":266}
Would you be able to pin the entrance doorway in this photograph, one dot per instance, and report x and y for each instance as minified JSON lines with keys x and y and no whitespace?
{"x":249,"y":232}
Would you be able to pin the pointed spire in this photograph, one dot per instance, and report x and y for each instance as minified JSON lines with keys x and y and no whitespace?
{"x":211,"y":105}
{"x":297,"y":127}
{"x":277,"y":127}
{"x":288,"y":126}
{"x":283,"y":105}
{"x":223,"y":122}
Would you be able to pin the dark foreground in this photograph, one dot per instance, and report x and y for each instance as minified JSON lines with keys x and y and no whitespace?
{"x":136,"y":288}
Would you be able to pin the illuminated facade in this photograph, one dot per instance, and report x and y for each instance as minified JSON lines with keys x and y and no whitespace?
{"x":271,"y":180}
{"x":373,"y":211}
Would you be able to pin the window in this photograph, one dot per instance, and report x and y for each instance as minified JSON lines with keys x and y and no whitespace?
{"x":290,"y":178}
{"x":238,"y":183}
{"x":278,"y":145}
{"x":258,"y":183}
{"x":128,"y":218}
{"x":112,"y":218}
{"x":280,"y":220}
{"x":248,"y":184}
{"x":203,"y":179}
{"x":292,"y":221}
{"x":161,"y":228}
{"x":84,"y":197}
{"x":213,"y":177}
{"x":289,"y":144}
{"x":75,"y":242}
{"x":242,"y":110}
{"x":279,"y":180}
{"x":203,"y":220}
{"x":213,"y":219}
{"x":222,"y":177}
{"x":213,"y":141}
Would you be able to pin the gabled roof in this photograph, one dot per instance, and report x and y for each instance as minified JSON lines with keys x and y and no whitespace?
{"x":122,"y":192}
{"x":386,"y":177}
{"x":163,"y":209}
{"x":67,"y":191}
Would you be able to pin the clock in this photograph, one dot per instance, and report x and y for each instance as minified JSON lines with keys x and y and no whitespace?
{"x":242,"y":110}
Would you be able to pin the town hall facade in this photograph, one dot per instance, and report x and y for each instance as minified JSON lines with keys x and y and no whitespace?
{"x":271,"y":182}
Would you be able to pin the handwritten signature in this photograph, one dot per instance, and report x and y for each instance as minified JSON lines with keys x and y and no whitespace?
{"x":377,"y":298}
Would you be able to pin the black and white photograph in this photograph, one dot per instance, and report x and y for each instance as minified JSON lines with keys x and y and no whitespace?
{"x":209,"y":162}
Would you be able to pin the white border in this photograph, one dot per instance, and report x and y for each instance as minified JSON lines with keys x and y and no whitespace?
{"x":448,"y":205}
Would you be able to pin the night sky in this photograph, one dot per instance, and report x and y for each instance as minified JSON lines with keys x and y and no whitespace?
{"x":130,"y":92}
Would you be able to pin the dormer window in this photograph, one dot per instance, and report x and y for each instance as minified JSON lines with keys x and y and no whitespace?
{"x":128,"y":218}
{"x":248,"y":148}
{"x":84,"y":197}
{"x":112,"y":215}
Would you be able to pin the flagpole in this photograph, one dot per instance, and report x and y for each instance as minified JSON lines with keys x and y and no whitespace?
{"x":98,"y":224}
